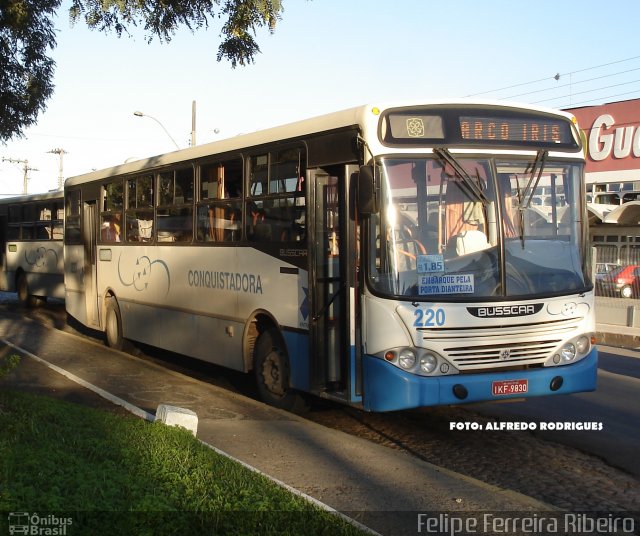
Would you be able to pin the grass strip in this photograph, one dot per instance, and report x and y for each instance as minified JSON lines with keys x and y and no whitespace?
{"x":120,"y":475}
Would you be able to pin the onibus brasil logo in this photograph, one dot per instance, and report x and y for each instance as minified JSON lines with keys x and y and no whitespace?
{"x":38,"y":525}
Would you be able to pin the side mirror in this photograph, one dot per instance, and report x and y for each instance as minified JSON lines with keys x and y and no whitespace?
{"x":368,"y":190}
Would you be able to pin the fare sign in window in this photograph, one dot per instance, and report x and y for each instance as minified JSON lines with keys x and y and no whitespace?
{"x":432,"y":278}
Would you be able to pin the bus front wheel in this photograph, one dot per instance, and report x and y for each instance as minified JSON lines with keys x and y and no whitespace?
{"x":113,"y":325}
{"x":271,"y":369}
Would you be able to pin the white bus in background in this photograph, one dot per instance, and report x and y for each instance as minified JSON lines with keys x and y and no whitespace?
{"x":31,"y":246}
{"x":387,"y":257}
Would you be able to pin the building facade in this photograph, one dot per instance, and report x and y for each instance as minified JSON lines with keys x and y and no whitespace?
{"x":611,"y":133}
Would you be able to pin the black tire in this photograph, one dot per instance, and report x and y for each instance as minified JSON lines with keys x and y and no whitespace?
{"x":22,"y":288}
{"x":113,"y":325}
{"x":271,"y":370}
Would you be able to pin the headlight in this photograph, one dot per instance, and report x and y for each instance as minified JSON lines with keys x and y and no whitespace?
{"x":407,"y":358}
{"x":428,"y":363}
{"x":568,"y":352}
{"x":582,"y":345}
{"x":419,"y":361}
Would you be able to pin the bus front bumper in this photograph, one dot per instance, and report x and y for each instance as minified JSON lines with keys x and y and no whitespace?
{"x":388,"y":388}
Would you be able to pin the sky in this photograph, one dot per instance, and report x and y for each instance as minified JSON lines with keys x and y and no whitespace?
{"x":325,"y":55}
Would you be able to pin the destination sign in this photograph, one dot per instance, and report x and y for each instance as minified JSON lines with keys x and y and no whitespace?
{"x":442,"y":126}
{"x":515,"y":130}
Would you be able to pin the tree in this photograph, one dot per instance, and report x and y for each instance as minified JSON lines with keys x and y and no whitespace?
{"x":26,"y":72}
{"x":27,"y":37}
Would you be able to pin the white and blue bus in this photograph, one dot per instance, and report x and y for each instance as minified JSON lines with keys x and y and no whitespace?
{"x":387,"y":257}
{"x":31,"y":246}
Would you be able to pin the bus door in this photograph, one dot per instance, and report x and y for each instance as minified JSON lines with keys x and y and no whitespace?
{"x":329,"y":284}
{"x":89,"y":230}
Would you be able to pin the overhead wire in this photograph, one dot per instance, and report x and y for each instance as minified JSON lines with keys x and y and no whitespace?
{"x":571,"y":84}
{"x":590,"y":90}
{"x":608,"y":97}
{"x":555,"y":77}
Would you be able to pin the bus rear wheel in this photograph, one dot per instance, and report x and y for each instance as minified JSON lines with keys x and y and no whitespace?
{"x":271,"y":369}
{"x":24,"y":296}
{"x":113,"y":325}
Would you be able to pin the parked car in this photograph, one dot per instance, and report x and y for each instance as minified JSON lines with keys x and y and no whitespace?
{"x":603,"y":268}
{"x":623,"y":281}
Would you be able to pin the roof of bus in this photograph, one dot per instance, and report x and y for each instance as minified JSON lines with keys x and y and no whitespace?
{"x":54,"y":194}
{"x":359,"y":115}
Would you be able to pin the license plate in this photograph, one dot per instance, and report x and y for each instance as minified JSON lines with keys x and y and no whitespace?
{"x":509,"y":387}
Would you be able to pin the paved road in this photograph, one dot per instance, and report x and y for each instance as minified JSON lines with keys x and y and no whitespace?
{"x":615,"y":404}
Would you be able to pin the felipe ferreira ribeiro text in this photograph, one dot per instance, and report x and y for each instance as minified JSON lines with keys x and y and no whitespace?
{"x":518,"y":425}
{"x":566,"y":524}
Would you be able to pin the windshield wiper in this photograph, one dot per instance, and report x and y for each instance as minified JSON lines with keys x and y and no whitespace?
{"x":525,"y":197}
{"x":474,"y":187}
{"x":530,"y":189}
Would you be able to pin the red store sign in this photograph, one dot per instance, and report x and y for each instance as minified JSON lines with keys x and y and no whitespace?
{"x":612,"y":135}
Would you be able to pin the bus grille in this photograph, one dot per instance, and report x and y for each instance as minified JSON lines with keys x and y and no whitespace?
{"x":501,"y":354}
{"x":500,"y":347}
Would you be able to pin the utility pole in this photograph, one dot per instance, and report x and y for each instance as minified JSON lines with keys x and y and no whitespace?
{"x":60,"y":153}
{"x":25,"y":168}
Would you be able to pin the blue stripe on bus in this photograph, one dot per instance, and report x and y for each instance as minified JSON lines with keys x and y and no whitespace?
{"x":388,"y":388}
{"x":298,"y":349}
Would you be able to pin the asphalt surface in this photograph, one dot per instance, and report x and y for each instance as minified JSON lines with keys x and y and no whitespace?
{"x":378,"y":486}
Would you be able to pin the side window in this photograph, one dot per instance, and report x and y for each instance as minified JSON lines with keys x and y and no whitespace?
{"x":15,"y":213}
{"x":285,"y":176}
{"x":57,"y":214}
{"x":139,"y":213}
{"x":111,"y":213}
{"x":259,"y":175}
{"x":28,"y":225}
{"x":43,"y":230}
{"x":220,"y":208}
{"x":175,"y":207}
{"x":13,"y":231}
{"x":15,"y":218}
{"x":275,"y":210}
{"x":72,"y":234}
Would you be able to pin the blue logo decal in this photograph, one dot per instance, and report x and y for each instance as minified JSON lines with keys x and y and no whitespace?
{"x":38,"y":258}
{"x":142,"y":273}
{"x":304,"y":306}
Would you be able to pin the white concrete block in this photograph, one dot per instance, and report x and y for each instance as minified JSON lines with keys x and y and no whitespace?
{"x":175,"y":416}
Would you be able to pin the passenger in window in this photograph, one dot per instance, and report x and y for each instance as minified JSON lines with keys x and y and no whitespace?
{"x":110,"y":231}
{"x":216,"y":229}
{"x":258,"y":229}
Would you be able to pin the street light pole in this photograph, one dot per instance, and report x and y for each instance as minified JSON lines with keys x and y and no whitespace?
{"x":141,"y":114}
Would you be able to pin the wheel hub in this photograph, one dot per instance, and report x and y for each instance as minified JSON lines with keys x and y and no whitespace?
{"x":271,"y":371}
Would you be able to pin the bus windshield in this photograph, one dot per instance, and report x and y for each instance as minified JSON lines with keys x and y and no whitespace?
{"x":461,"y":228}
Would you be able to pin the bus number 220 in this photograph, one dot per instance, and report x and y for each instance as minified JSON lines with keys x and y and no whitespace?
{"x":428,"y":318}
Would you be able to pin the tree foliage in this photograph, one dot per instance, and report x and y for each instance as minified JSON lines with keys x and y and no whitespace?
{"x":26,"y":70}
{"x":27,"y":37}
